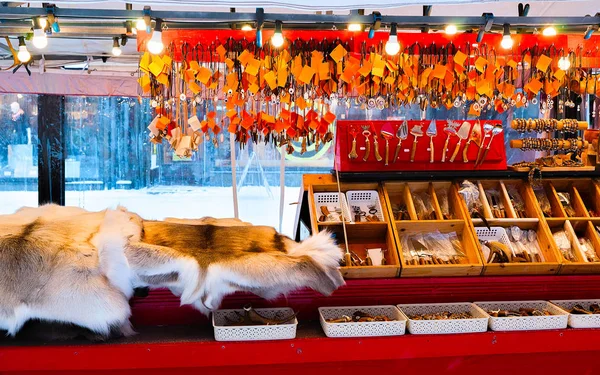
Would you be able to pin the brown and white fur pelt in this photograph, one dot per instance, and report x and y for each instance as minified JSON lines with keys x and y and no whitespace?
{"x":68,"y":265}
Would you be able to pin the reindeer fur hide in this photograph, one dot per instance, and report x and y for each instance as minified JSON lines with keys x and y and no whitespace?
{"x":71,"y":266}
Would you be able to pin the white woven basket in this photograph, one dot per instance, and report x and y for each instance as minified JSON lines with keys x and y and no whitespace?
{"x":493,"y":234}
{"x":254,"y":333}
{"x":525,"y":323}
{"x":478,"y":323}
{"x":363,"y":199}
{"x":332,"y":200}
{"x":363,"y":329}
{"x":577,"y":320}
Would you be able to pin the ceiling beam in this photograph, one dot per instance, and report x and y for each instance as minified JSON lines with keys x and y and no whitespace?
{"x":185,"y":16}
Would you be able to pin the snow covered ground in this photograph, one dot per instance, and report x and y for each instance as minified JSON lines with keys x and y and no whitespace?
{"x":255,"y":205}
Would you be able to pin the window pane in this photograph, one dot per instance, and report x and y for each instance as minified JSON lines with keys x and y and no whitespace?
{"x":18,"y":152}
{"x":111,"y":161}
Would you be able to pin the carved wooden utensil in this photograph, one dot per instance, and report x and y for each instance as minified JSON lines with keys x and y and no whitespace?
{"x":487,"y":130}
{"x":450,"y":130}
{"x":497,"y":130}
{"x":474,"y":137}
{"x":431,"y":132}
{"x":463,"y":133}
{"x":416,"y":131}
{"x":401,"y":134}
{"x":387,"y":132}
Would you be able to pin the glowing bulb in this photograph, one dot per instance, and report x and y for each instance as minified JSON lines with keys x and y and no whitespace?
{"x":507,"y":42}
{"x":277,"y":38}
{"x":39,"y":39}
{"x":39,"y":36}
{"x":23,"y":54}
{"x":392,"y":47}
{"x":246,"y":27}
{"x":155,"y":45}
{"x":451,"y":29}
{"x":549,"y":31}
{"x":354,"y":27}
{"x":116,"y":51}
{"x":140,"y":24}
{"x":564,"y":63}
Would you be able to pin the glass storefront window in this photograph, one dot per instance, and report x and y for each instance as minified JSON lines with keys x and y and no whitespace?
{"x":18,"y":151}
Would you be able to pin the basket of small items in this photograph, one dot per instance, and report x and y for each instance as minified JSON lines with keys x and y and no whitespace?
{"x":524,"y":315}
{"x":365,"y":205}
{"x":249,"y":324}
{"x":363,"y":321}
{"x":582,"y":313}
{"x":332,"y":207}
{"x":444,"y":318}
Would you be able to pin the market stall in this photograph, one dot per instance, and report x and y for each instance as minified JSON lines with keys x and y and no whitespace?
{"x":458,"y":230}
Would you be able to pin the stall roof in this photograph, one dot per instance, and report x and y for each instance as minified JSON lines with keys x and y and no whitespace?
{"x":79,"y":47}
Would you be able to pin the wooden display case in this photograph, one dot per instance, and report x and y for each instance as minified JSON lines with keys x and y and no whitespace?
{"x":528,"y":217}
{"x":576,"y":229}
{"x":532,"y":221}
{"x":556,"y":186}
{"x":402,"y":193}
{"x":360,"y":236}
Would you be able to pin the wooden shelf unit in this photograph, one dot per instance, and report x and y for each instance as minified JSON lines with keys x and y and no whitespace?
{"x":361,"y":236}
{"x":402,"y":192}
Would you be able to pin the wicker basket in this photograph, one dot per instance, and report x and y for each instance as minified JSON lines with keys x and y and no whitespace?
{"x":577,"y":320}
{"x":363,"y":329}
{"x":336,"y":200}
{"x":525,"y":323}
{"x":478,"y":323}
{"x":363,"y":199}
{"x":254,"y":333}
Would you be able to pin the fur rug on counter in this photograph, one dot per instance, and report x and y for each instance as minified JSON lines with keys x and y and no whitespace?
{"x":70,"y":266}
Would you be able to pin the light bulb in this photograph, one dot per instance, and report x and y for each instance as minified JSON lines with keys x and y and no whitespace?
{"x":392,"y":47}
{"x":507,"y":42}
{"x":246,"y":27}
{"x":155,"y":45}
{"x":140,"y":24}
{"x":451,"y":29}
{"x":39,"y":39}
{"x":116,"y":51}
{"x":277,"y":38}
{"x":354,"y":27}
{"x":39,"y":36}
{"x":564,"y":63}
{"x":549,"y":31}
{"x":23,"y":54}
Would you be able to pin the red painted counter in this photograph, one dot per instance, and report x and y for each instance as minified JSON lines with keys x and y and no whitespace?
{"x":177,"y":340}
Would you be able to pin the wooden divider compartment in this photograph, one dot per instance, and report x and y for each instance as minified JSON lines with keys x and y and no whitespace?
{"x":551,"y":265}
{"x":361,"y":236}
{"x":589,"y":194}
{"x":576,"y":229}
{"x":555,"y":186}
{"x":532,"y":216}
{"x":400,"y":192}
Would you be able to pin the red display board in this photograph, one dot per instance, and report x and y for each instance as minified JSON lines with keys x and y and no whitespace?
{"x":495,"y":159}
{"x":210,"y":39}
